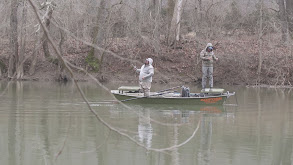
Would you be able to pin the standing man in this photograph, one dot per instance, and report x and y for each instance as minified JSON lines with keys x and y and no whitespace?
{"x":208,"y":57}
{"x":146,"y":73}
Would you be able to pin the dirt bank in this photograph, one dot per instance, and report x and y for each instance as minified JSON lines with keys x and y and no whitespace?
{"x":237,"y":65}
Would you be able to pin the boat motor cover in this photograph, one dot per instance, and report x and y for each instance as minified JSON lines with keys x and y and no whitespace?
{"x":212,"y":90}
{"x":185,"y":92}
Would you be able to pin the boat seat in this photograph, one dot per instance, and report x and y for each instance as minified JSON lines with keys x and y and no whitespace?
{"x":194,"y":95}
{"x":132,"y":89}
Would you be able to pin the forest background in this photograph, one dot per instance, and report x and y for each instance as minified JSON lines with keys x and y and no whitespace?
{"x":252,"y":39}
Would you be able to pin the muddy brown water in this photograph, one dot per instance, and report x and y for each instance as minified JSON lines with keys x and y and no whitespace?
{"x":49,"y":123}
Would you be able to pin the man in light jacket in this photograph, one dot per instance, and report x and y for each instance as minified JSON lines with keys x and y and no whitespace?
{"x":146,"y":73}
{"x":208,"y":57}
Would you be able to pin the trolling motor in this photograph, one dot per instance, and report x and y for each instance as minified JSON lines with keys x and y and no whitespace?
{"x":185,"y":91}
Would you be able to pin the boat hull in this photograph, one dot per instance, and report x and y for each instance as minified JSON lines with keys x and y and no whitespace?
{"x":139,"y":99}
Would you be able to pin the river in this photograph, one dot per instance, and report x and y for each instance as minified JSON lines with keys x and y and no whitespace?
{"x":49,"y":123}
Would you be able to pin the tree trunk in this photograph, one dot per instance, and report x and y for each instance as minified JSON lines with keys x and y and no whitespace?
{"x":101,"y":20}
{"x":178,"y":18}
{"x":200,"y":10}
{"x":152,"y":7}
{"x":170,"y":11}
{"x":61,"y":72}
{"x":284,"y":20}
{"x":99,"y":31}
{"x":13,"y":59}
{"x":260,"y":39}
{"x":289,"y":9}
{"x":34,"y":55}
{"x":19,"y":71}
{"x":47,"y":17}
{"x":138,"y":21}
{"x":155,"y":16}
{"x":174,"y":33}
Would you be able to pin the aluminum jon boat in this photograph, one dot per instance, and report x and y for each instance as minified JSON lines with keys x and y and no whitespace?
{"x":208,"y":96}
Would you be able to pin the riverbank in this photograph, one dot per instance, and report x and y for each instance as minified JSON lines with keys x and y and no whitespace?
{"x":237,"y":65}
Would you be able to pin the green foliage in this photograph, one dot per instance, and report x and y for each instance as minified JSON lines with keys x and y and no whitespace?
{"x":92,"y":61}
{"x":53,"y":60}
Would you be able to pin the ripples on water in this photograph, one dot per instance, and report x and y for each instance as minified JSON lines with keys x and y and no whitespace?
{"x":50,"y":124}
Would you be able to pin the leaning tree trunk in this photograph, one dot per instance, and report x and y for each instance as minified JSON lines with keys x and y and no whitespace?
{"x":13,"y":59}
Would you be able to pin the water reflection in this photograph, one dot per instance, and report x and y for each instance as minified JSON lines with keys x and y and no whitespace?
{"x":205,"y":154}
{"x":149,"y":132}
{"x":12,"y":128}
{"x":39,"y":121}
{"x":145,"y":130}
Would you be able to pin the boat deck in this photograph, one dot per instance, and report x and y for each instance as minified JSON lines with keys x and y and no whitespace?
{"x":152,"y":94}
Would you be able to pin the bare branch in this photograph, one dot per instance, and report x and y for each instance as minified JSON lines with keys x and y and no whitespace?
{"x":65,"y":64}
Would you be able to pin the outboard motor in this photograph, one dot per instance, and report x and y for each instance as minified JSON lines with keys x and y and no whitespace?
{"x":185,"y":91}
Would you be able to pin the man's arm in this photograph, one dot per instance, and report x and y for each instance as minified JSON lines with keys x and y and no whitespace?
{"x":203,"y":57}
{"x":150,"y":74}
{"x":214,"y":57}
{"x":136,"y":70}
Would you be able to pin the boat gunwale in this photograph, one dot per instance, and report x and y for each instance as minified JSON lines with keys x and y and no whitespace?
{"x":155,"y":97}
